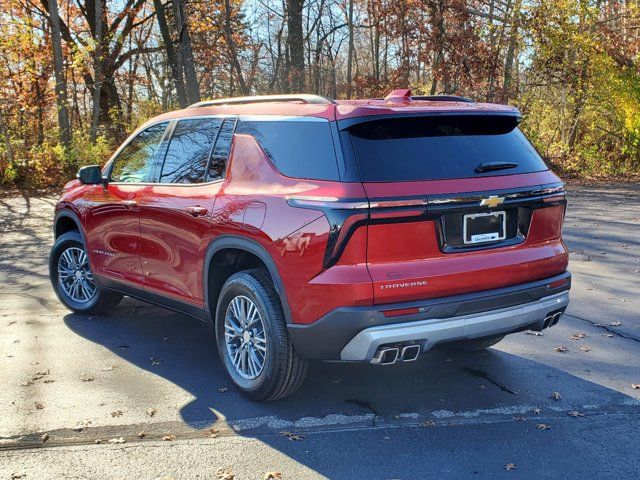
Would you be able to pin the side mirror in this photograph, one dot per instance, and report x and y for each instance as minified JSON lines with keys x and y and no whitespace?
{"x":90,"y":175}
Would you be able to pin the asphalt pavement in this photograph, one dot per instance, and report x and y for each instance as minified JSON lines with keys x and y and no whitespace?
{"x":140,"y":393}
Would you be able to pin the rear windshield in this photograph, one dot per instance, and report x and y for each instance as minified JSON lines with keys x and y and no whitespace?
{"x":300,"y":148}
{"x":441,"y":147}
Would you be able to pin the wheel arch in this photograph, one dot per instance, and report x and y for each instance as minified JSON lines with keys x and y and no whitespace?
{"x":212,"y":286}
{"x":65,"y":221}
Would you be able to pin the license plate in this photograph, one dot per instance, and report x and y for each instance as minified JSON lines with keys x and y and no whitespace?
{"x":484,"y":227}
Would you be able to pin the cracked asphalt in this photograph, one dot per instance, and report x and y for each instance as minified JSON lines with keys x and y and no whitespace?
{"x":141,"y":374}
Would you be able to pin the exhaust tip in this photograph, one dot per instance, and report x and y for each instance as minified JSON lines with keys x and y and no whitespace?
{"x":410,"y":353}
{"x":386,"y":356}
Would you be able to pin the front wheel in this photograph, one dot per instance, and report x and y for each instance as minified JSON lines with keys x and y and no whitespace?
{"x":252,"y":338}
{"x":72,"y":279}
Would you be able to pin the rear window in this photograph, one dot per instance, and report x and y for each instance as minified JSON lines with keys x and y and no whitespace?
{"x":441,"y":147}
{"x":298,"y":148}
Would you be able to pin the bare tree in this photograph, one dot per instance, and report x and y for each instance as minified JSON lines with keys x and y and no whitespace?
{"x":174,"y":65}
{"x":186,"y":52}
{"x":61,"y":83}
{"x":295,"y":46}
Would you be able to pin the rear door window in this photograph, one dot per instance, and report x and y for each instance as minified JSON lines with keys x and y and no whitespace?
{"x":135,"y":162}
{"x":189,"y":150}
{"x":441,"y":147}
{"x":299,"y":148}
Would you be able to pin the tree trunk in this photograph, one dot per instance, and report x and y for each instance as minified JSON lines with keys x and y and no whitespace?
{"x":233,"y":52}
{"x":511,"y":50}
{"x":184,"y":42}
{"x":295,"y":44}
{"x":174,"y":65}
{"x":97,"y":71}
{"x":61,"y":84}
{"x":350,"y":51}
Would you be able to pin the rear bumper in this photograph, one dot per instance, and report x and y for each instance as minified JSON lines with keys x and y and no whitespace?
{"x":355,"y":333}
{"x":428,"y":333}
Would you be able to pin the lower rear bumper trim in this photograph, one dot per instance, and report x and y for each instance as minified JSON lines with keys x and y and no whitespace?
{"x":430,"y":332}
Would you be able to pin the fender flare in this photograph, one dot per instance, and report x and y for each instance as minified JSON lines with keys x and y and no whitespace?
{"x":73,"y":216}
{"x":250,"y":246}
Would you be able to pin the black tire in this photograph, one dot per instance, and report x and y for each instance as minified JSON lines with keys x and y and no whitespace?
{"x":478,"y":344}
{"x":102,"y":301}
{"x":283,"y":369}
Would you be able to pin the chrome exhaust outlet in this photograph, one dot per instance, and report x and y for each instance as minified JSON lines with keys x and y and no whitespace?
{"x":556,"y":318}
{"x":386,"y":356}
{"x":410,"y":353}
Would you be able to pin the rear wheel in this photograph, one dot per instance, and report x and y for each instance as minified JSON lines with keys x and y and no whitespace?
{"x":478,"y":344}
{"x":72,"y":279}
{"x":252,"y":338}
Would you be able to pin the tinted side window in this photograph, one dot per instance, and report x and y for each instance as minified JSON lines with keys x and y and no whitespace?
{"x":189,"y":150}
{"x":135,"y":163}
{"x":218,"y":163}
{"x":447,"y":147}
{"x":299,"y":149}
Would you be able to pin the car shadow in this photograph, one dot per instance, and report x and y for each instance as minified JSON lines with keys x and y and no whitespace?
{"x":182,"y":351}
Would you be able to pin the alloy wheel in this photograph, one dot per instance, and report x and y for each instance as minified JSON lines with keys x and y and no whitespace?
{"x":245,"y":337}
{"x":75,"y":277}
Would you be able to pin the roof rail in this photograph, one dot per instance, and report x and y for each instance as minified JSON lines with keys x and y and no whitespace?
{"x":304,"y":98}
{"x":443,"y":98}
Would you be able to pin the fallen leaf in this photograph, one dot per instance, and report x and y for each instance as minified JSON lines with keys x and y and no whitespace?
{"x":151,"y":411}
{"x":117,"y":413}
{"x":48,"y":380}
{"x":117,"y":440}
{"x":537,"y":410}
{"x":428,"y":423}
{"x":272,"y":476}
{"x":543,"y":426}
{"x":615,"y":324}
{"x":577,"y":336}
{"x":561,"y":349}
{"x":86,"y":378}
{"x":122,"y":347}
{"x":635,"y":386}
{"x":575,"y":414}
{"x":108,"y":369}
{"x":44,"y":437}
{"x":481,"y":387}
{"x":292,"y":436}
{"x":223,"y":389}
{"x":556,"y":396}
{"x":533,"y":332}
{"x":584,"y":348}
{"x":214,"y":433}
{"x":608,"y":335}
{"x":510,"y":466}
{"x":169,"y":438}
{"x":154,"y":361}
{"x":98,"y":441}
{"x":81,"y":426}
{"x":519,"y":418}
{"x":142,"y":434}
{"x":39,"y":405}
{"x":224,"y":474}
{"x":16,"y":476}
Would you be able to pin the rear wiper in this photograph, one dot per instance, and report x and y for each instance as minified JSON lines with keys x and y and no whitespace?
{"x":491,"y":166}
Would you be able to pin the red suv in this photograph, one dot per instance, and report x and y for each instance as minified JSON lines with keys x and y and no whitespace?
{"x":306,"y":228}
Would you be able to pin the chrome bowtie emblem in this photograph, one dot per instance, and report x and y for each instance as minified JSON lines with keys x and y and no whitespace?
{"x":492,"y":201}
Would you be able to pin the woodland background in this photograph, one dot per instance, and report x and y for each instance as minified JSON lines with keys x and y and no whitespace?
{"x":77,"y":75}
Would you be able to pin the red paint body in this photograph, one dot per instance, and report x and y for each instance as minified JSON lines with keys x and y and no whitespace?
{"x":158,"y":245}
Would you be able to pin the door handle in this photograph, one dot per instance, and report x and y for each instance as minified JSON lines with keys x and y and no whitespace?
{"x":129,"y":203}
{"x":197,"y":211}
